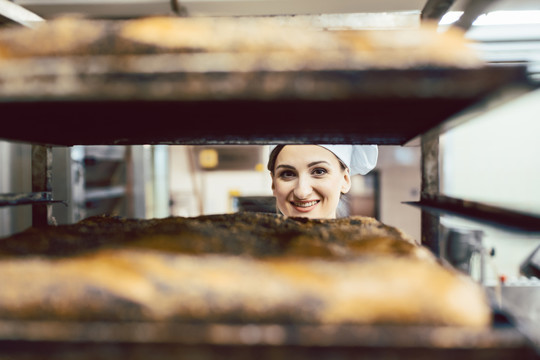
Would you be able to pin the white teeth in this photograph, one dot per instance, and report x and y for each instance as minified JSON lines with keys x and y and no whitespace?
{"x":306,"y":204}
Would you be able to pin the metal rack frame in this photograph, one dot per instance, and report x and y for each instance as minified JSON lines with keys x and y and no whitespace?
{"x":362,"y":93}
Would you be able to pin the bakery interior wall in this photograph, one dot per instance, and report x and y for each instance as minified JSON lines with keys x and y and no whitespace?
{"x":495,"y":159}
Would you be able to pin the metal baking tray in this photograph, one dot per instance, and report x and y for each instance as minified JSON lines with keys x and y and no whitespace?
{"x":134,"y":340}
{"x":168,"y":99}
{"x":495,"y":216}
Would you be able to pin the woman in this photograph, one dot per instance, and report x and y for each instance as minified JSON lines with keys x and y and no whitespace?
{"x":308,"y":180}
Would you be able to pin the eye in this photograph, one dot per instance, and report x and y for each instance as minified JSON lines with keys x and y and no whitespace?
{"x":319,"y":171}
{"x":286,"y":174}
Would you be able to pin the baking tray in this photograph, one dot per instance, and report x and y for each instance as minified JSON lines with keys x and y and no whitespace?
{"x":495,"y":216}
{"x":134,"y":340}
{"x":169,"y":99}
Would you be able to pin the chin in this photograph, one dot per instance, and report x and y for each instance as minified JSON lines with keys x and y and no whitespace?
{"x":307,"y":215}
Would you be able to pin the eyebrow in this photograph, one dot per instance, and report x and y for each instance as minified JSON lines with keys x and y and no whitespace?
{"x":317,"y":163}
{"x":286,"y":167}
{"x":309,"y":165}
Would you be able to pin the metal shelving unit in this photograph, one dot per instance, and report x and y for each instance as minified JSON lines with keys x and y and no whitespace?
{"x":290,"y":114}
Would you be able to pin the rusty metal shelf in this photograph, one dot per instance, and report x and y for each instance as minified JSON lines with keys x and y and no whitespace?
{"x":503,"y":218}
{"x":408,"y":341}
{"x":182,"y":107}
{"x":12,"y":199}
{"x":212,"y":341}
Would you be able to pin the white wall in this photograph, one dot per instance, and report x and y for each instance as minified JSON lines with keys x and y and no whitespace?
{"x":499,"y":153}
{"x":220,"y":185}
{"x":495,"y":158}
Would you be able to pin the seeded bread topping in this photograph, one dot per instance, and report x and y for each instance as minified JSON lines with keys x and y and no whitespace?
{"x":245,"y":267}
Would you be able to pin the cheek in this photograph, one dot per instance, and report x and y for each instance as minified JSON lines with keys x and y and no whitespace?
{"x":281,"y":189}
{"x":331,"y":191}
{"x":332,"y":187}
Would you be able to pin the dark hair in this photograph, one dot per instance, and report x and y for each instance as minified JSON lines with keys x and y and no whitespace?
{"x":273,"y":156}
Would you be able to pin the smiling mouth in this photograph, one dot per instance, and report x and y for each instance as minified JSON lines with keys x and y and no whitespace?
{"x":305,"y":204}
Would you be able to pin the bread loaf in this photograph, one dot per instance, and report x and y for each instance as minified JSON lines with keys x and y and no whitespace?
{"x":246,"y":267}
{"x":254,"y":42}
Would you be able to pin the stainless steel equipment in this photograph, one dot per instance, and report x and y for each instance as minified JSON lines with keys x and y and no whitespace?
{"x":460,"y":247}
{"x":531,"y":265}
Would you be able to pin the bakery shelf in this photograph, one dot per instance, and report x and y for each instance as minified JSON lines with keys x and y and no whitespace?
{"x":11,"y":199}
{"x":178,"y":106}
{"x":213,"y":341}
{"x":503,"y":218}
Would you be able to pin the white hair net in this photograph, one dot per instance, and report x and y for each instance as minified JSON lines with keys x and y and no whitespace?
{"x":360,"y":159}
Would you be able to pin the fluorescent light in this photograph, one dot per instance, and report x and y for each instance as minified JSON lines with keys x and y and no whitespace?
{"x":450,"y":17}
{"x":509,"y":17}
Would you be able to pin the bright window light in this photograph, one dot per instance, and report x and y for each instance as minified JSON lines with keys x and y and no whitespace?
{"x":514,"y":17}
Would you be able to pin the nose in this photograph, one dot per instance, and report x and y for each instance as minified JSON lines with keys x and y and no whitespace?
{"x":303,"y":188}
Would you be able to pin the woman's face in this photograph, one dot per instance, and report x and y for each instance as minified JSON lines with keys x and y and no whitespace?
{"x":308,"y":181}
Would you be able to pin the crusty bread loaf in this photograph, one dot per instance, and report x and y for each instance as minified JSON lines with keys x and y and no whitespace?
{"x":253,"y":41}
{"x":157,"y":286}
{"x":253,"y":234}
{"x":246,"y":267}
